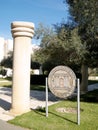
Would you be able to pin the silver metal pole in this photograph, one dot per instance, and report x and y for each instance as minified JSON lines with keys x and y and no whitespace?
{"x":46,"y":98}
{"x":78,"y":101}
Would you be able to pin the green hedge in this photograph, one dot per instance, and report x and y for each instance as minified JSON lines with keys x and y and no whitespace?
{"x":38,"y":79}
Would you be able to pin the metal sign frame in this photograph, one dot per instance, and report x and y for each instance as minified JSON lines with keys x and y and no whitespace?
{"x":78,"y":100}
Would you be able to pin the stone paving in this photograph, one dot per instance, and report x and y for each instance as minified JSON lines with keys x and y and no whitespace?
{"x":6,"y":126}
{"x":37,"y":99}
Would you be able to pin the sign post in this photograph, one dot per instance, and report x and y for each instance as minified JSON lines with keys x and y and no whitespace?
{"x":46,"y":98}
{"x":78,"y":101}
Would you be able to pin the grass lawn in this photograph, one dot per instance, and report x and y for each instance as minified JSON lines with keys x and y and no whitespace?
{"x":5,"y":82}
{"x":36,"y":120}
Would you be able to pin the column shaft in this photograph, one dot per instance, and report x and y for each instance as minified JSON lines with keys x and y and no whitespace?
{"x":21,"y":68}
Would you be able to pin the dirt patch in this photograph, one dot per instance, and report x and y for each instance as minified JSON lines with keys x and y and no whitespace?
{"x":67,"y":110}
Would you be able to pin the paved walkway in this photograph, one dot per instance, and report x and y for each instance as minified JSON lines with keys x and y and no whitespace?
{"x":6,"y":126}
{"x":37,"y":100}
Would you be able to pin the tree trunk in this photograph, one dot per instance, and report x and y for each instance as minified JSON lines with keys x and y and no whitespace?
{"x":84,"y":83}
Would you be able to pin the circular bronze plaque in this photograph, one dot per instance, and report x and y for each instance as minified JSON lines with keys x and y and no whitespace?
{"x":62,"y":81}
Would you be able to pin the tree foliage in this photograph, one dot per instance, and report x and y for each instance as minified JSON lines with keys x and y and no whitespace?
{"x":85,"y":14}
{"x":8,"y":61}
{"x":43,"y":32}
{"x":61,"y":47}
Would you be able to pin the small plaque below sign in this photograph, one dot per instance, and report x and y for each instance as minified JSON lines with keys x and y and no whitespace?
{"x":62,"y":81}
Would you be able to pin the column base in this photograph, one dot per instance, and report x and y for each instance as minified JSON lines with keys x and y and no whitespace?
{"x":15,"y":112}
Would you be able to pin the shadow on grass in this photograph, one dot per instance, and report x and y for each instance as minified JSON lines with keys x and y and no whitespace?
{"x":7,"y":86}
{"x":41,"y":111}
{"x":63,"y":118}
{"x":8,"y":78}
{"x":90,"y":82}
{"x":90,"y":97}
{"x":37,"y":87}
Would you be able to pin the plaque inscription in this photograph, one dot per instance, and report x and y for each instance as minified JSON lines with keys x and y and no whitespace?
{"x":61,"y":81}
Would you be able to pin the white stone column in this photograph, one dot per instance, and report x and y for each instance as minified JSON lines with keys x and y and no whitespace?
{"x":22,"y":33}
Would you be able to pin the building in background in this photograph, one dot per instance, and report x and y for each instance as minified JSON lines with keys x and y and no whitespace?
{"x":5,"y":47}
{"x":1,"y":48}
{"x":34,"y":48}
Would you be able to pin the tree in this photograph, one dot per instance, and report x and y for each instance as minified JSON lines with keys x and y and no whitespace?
{"x":61,"y":47}
{"x":8,"y":61}
{"x":84,"y":13}
{"x":47,"y":37}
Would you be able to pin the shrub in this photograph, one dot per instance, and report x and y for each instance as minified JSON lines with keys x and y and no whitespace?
{"x":38,"y":79}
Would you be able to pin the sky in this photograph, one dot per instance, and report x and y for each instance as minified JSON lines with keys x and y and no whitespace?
{"x":48,"y":12}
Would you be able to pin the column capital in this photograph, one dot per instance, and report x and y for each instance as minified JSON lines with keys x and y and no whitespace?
{"x":22,"y":29}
